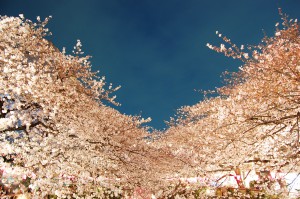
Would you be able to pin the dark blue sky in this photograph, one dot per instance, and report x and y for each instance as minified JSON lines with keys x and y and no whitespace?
{"x":156,"y":49}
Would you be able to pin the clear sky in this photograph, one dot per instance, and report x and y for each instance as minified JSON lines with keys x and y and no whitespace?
{"x":156,"y":49}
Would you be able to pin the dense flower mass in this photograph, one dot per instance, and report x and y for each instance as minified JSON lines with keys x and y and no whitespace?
{"x":54,"y":126}
{"x":255,"y":118}
{"x":58,"y":138}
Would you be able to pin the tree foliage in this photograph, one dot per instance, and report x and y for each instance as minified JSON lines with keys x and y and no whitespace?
{"x":56,"y":131}
{"x":255,"y":117}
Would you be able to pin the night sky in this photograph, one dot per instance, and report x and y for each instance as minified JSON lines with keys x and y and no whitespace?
{"x":156,"y":49}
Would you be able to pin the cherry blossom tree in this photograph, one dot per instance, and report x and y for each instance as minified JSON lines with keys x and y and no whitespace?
{"x":57,"y":136}
{"x":255,"y":117}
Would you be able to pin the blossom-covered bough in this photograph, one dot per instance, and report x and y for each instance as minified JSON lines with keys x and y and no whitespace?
{"x":255,"y":118}
{"x":57,"y":136}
